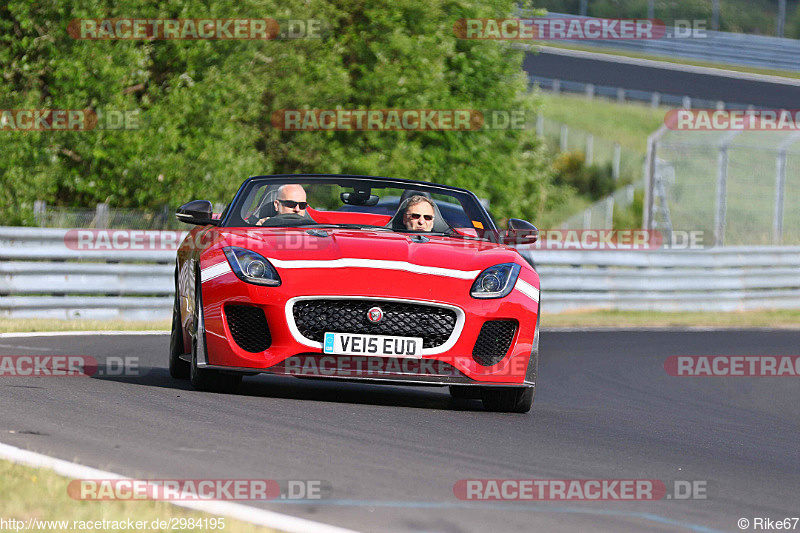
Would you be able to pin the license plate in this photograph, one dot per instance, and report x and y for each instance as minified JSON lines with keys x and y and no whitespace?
{"x":378,"y":345}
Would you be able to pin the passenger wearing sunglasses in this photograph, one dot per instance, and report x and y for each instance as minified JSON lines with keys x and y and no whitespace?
{"x":291,"y":200}
{"x":419,"y":214}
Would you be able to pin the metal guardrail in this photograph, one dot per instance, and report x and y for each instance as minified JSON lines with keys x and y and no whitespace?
{"x":721,"y":279}
{"x":41,"y":277}
{"x":714,"y":46}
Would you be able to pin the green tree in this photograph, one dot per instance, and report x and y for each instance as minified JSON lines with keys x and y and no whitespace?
{"x":205,"y":106}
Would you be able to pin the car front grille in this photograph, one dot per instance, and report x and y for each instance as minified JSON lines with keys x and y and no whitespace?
{"x":248,"y":327}
{"x":434,"y":324}
{"x":494,"y":340}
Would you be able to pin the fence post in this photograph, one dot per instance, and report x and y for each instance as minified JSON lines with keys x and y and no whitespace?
{"x":564,"y":134}
{"x":590,"y":91}
{"x":650,"y":176}
{"x":722,"y":187}
{"x":589,"y":149}
{"x":102,"y":216}
{"x":39,"y":212}
{"x":621,"y":95}
{"x":687,"y":102}
{"x":556,"y":86}
{"x":780,"y":185}
{"x":609,"y":213}
{"x":615,"y":161}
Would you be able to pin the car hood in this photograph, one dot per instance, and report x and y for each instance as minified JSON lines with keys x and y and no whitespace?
{"x":321,"y":244}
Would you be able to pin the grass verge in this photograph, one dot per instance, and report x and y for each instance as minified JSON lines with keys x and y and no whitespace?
{"x":39,"y":493}
{"x":784,"y":318}
{"x":626,"y":123}
{"x":14,"y":325}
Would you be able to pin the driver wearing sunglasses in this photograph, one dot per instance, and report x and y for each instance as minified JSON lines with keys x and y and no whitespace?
{"x":419,"y":214}
{"x":291,"y":199}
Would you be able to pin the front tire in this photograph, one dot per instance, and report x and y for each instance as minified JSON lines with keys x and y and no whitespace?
{"x":507,"y":399}
{"x":178,"y":368}
{"x":205,"y":379}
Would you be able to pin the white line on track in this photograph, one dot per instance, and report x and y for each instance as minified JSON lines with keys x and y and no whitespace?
{"x":252,"y":515}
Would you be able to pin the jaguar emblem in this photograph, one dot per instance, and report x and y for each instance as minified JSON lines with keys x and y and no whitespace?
{"x":375,"y":315}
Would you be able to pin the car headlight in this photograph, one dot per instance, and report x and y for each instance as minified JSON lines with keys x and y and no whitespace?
{"x":496,"y":281}
{"x":251,"y":267}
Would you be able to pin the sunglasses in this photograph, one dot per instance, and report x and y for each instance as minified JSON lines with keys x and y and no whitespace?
{"x":415,"y":216}
{"x":291,"y":204}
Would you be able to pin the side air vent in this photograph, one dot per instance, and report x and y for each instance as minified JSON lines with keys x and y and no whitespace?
{"x":248,"y":327}
{"x":494,"y":341}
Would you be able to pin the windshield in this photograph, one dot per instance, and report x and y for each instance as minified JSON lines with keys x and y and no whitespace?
{"x":391,"y":205}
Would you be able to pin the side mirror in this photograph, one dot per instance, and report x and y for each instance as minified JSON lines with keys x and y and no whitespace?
{"x":197,"y":212}
{"x":520,"y":232}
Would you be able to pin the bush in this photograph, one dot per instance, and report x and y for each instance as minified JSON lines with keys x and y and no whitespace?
{"x":594,"y":181}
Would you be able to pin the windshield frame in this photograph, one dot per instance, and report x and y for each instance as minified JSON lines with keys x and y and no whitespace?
{"x":468,"y":200}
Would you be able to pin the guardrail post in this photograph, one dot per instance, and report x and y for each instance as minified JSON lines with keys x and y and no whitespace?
{"x":615,"y":161}
{"x":564,"y":134}
{"x":621,"y":95}
{"x":556,"y":86}
{"x":589,"y":149}
{"x":590,"y":91}
{"x":720,"y":105}
{"x":655,"y":100}
{"x":687,"y":102}
{"x":609,"y":213}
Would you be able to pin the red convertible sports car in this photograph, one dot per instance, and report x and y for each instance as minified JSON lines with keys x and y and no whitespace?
{"x":357,"y":278}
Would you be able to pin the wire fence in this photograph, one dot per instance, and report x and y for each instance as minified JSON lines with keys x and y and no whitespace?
{"x":744,"y":186}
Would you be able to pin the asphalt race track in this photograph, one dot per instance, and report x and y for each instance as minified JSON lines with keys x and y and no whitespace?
{"x":601,"y":69}
{"x":605,"y":409}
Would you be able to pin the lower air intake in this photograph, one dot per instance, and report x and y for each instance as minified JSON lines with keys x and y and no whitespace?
{"x":248,"y":327}
{"x":494,"y":341}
